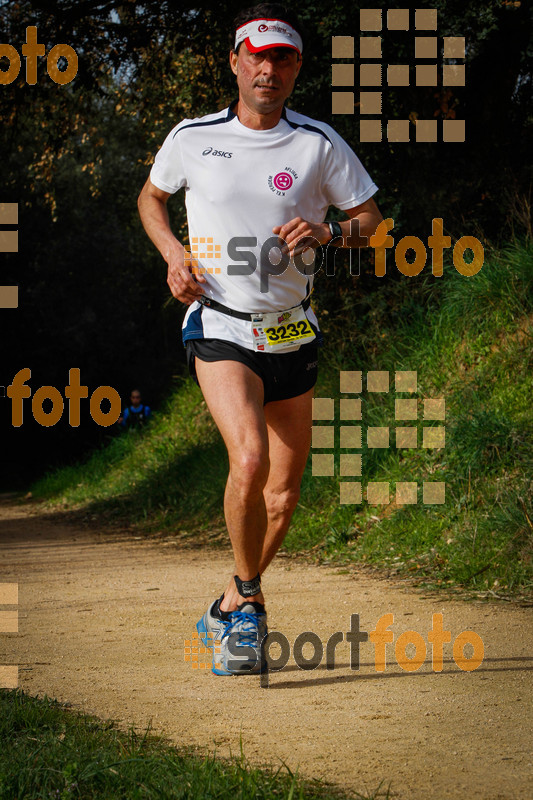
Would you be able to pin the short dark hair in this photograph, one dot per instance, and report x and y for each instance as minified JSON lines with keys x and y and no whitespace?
{"x":267,"y":11}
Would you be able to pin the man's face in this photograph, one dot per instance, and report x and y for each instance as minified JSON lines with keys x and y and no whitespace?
{"x":135,"y":399}
{"x":265,"y":79}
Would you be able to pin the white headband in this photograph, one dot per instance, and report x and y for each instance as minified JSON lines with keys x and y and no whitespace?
{"x":259,"y":34}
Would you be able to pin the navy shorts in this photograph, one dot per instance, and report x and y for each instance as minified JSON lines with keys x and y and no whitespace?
{"x":284,"y":375}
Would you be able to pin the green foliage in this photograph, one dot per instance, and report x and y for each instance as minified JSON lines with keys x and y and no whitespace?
{"x":50,"y":752}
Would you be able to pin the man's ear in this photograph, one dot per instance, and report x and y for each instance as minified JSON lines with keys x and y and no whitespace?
{"x":233,"y":58}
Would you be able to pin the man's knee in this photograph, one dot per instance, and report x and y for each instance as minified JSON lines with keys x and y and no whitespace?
{"x":282,"y":503}
{"x":249,"y":471}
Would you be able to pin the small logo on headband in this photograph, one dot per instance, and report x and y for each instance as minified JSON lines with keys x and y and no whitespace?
{"x":262,"y":28}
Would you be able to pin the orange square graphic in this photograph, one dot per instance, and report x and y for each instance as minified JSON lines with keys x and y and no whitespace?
{"x":9,"y":594}
{"x":342,"y":46}
{"x":370,"y":102}
{"x":342,"y":75}
{"x":370,"y":19}
{"x":351,"y":381}
{"x":377,"y":437}
{"x":434,"y":438}
{"x":350,"y":493}
{"x":369,"y":74}
{"x":453,"y":75}
{"x":398,"y":75}
{"x":406,"y":493}
{"x":9,"y":241}
{"x":323,"y":408}
{"x":398,"y":130}
{"x":426,"y":47}
{"x":323,"y":436}
{"x":351,"y":436}
{"x":9,"y":676}
{"x":454,"y":46}
{"x":350,"y":465}
{"x":434,"y":492}
{"x":407,"y":437}
{"x":453,"y":130}
{"x":398,"y":19}
{"x":342,"y":103}
{"x":9,"y":213}
{"x":377,"y":493}
{"x":426,"y":130}
{"x":9,"y":621}
{"x":377,"y":381}
{"x":434,"y":408}
{"x":370,"y":130}
{"x":406,"y":409}
{"x":369,"y":47}
{"x":350,"y":408}
{"x":426,"y":19}
{"x":426,"y":75}
{"x":405,"y":381}
{"x":322,"y":464}
{"x":9,"y":296}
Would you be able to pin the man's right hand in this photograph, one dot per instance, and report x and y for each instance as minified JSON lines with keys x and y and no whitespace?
{"x":183,"y":282}
{"x":182,"y":279}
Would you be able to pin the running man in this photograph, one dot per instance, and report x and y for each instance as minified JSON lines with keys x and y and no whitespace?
{"x":256,"y":175}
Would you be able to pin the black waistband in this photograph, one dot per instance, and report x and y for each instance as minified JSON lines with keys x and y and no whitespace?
{"x":231,"y":312}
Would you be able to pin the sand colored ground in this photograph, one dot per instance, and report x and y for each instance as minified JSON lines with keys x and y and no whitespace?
{"x":102,"y":621}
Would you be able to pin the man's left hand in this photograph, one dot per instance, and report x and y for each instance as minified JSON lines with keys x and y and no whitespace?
{"x":300,"y":235}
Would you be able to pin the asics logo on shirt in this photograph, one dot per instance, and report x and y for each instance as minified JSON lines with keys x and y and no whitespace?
{"x":209,"y":151}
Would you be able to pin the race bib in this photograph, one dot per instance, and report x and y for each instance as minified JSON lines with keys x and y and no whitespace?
{"x":281,"y":330}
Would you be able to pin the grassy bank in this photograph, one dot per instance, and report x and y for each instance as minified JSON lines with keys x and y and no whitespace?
{"x":51,"y":752}
{"x":469,"y":339}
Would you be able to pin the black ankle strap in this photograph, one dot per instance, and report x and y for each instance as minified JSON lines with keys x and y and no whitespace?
{"x":248,"y":588}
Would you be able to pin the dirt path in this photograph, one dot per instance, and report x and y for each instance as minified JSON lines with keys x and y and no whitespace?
{"x":103,"y":619}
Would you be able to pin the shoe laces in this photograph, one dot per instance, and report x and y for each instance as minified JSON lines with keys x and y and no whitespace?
{"x":246,"y":624}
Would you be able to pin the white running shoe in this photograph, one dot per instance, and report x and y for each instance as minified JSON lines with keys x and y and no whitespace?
{"x":235,"y":642}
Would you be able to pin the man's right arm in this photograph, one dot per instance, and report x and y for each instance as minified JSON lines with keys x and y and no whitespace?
{"x":152,"y":204}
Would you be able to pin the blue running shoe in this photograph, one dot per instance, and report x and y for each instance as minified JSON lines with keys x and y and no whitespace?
{"x":238,"y":649}
{"x":211,"y":628}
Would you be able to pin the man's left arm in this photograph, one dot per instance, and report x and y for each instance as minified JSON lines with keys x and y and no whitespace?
{"x":300,"y":234}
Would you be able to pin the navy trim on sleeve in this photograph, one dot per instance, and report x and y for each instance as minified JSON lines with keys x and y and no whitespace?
{"x":307,"y":127}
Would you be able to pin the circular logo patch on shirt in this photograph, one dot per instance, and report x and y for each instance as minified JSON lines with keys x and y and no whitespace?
{"x":282,"y":181}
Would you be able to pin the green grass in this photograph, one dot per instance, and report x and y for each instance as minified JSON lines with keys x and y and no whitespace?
{"x":470,"y":341}
{"x":50,"y":752}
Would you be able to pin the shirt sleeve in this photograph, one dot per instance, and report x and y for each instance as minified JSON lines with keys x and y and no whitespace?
{"x":345,"y":181}
{"x":168,"y":171}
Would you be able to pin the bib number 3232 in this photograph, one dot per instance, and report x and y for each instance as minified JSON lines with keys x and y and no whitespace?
{"x":281,"y":330}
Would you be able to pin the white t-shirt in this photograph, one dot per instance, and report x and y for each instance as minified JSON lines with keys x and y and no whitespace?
{"x":241,"y":182}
